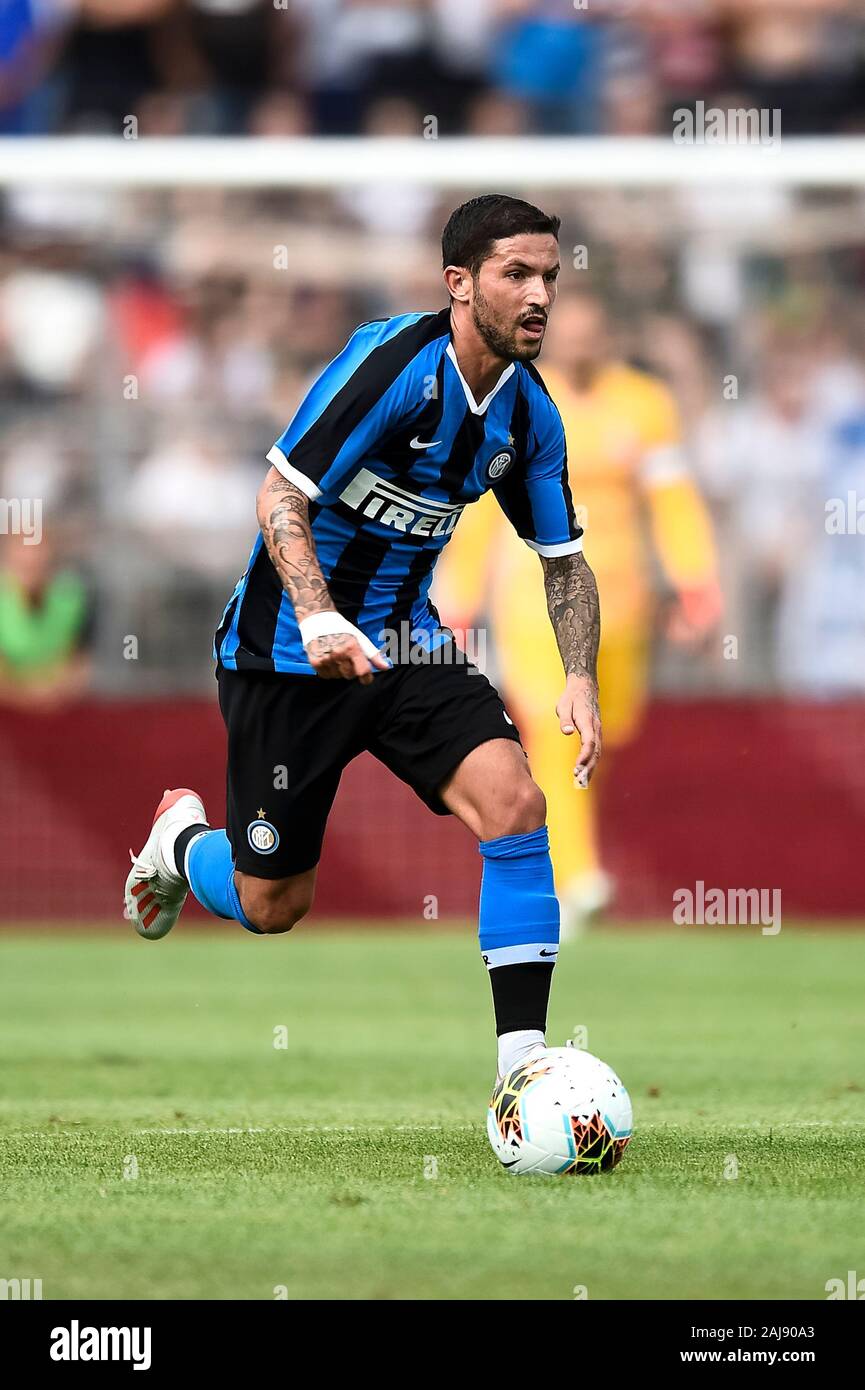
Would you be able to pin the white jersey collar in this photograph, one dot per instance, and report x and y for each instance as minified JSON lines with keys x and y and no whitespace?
{"x":474,"y":407}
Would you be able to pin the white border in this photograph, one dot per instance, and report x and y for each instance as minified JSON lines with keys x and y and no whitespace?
{"x":288,"y":470}
{"x":461,"y":162}
{"x":551,"y":552}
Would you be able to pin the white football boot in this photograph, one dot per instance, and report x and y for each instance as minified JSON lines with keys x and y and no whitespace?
{"x":532,"y":1054}
{"x":155,"y":892}
{"x":583,"y":900}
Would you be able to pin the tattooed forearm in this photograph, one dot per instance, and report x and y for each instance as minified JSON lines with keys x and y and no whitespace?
{"x":572,"y":602}
{"x":283,"y":515}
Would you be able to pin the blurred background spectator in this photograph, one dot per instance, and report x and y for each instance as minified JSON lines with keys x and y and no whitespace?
{"x":635,"y":496}
{"x":45,"y":626}
{"x":332,"y":67}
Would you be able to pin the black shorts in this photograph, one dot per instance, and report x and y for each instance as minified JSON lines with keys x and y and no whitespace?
{"x":289,"y":738}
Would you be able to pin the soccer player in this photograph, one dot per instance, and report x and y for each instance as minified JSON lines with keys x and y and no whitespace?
{"x":414,"y":420}
{"x":644,"y":512}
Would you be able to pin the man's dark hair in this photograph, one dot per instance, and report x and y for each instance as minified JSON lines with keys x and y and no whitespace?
{"x":473,"y":228}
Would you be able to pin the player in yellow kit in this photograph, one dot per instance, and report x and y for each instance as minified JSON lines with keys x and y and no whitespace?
{"x":633,"y":495}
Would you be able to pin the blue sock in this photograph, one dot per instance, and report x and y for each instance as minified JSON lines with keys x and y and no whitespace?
{"x":518,"y":927}
{"x":519,"y":912}
{"x":210,"y":871}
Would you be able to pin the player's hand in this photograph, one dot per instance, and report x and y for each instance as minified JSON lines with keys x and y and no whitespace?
{"x":579,"y":713}
{"x":339,"y":657}
{"x":695,"y":614}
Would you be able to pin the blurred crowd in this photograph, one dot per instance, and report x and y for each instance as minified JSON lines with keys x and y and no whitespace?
{"x":154,"y":344}
{"x":484,"y":67}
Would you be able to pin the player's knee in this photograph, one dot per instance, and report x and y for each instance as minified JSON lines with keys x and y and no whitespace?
{"x":276,"y":908}
{"x":272,"y":919}
{"x":524,"y":808}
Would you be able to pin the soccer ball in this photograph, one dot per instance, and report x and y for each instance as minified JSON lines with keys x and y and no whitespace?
{"x":564,"y":1112}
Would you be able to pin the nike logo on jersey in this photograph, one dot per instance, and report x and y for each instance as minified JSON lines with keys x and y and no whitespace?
{"x":383,"y":501}
{"x":416,"y":443}
{"x":548,"y":953}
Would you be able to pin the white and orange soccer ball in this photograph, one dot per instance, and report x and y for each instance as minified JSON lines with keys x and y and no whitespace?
{"x":564,"y":1111}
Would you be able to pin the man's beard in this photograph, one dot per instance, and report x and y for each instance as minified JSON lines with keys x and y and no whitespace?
{"x":501,"y":341}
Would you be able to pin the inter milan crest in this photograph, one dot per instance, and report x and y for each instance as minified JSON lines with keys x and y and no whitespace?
{"x":500,"y":463}
{"x":262,"y":836}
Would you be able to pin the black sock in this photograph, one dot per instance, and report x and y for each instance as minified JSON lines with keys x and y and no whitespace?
{"x":182,"y":842}
{"x":521,"y":995}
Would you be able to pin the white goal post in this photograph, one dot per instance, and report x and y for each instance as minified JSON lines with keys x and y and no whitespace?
{"x":324,"y":162}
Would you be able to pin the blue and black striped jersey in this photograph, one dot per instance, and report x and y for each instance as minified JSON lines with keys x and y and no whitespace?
{"x":389,"y":446}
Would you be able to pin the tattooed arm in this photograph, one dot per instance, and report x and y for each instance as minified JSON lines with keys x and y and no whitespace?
{"x":283,"y":515}
{"x":572,"y":603}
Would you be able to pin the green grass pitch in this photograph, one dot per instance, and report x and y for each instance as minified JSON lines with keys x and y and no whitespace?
{"x":154,"y":1143}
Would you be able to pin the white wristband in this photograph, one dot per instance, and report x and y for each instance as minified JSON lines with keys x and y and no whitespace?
{"x":328,"y":624}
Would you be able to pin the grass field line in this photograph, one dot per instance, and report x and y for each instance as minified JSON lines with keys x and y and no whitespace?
{"x":380,"y":1128}
{"x":257,"y":1129}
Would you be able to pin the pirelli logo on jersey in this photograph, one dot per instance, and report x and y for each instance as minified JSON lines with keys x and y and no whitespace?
{"x":382,"y":500}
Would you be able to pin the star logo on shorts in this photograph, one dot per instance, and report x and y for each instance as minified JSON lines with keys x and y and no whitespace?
{"x":262,"y":836}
